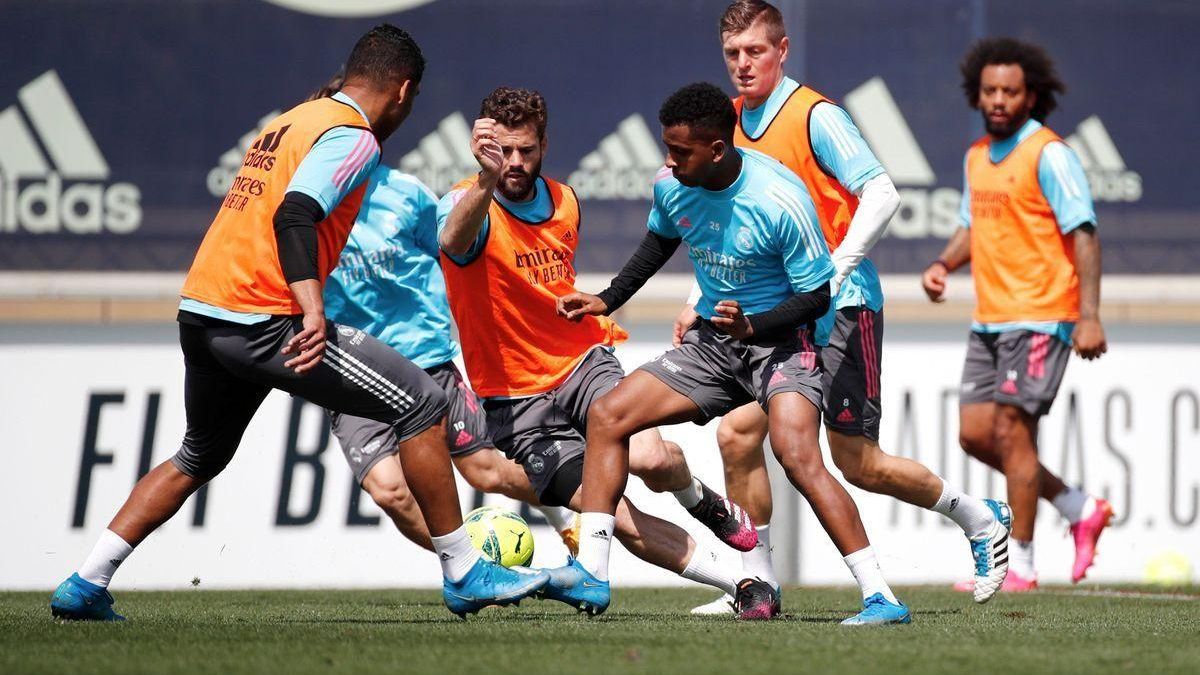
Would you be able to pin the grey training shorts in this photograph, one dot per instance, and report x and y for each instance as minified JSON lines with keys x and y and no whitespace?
{"x":719,"y":373}
{"x":365,"y":442}
{"x":546,"y":433}
{"x":852,"y":371}
{"x":1022,"y":368}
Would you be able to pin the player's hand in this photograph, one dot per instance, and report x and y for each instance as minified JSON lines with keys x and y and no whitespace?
{"x":1088,"y":339}
{"x":731,"y":321}
{"x":682,"y":323}
{"x":934,"y":281}
{"x":485,"y":148}
{"x":577,"y":305}
{"x":308,"y":345}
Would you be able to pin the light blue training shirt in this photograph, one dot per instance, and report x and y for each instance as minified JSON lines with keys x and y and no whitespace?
{"x":757,"y":241}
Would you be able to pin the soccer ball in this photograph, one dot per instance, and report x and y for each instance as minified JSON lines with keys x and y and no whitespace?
{"x":502,"y":536}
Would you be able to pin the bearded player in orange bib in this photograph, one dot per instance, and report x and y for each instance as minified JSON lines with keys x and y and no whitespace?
{"x":1029,"y":233}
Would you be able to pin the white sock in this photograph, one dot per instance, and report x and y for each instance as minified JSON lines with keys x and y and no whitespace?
{"x":1074,"y":504}
{"x":456,"y":553}
{"x":705,"y":568}
{"x":559,"y":517}
{"x":1020,"y":559}
{"x":757,"y":561}
{"x":690,"y":496}
{"x":865,"y":568}
{"x":595,"y":538}
{"x":106,"y":556}
{"x":969,"y":513}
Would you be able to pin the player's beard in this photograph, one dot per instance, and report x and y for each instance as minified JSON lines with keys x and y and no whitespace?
{"x":516,"y":185}
{"x":1005,"y":129}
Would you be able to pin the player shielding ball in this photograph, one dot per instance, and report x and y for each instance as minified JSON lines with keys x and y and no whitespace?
{"x":1029,"y":233}
{"x":252,"y":319}
{"x":854,"y":200}
{"x":508,"y":239}
{"x":764,"y":270}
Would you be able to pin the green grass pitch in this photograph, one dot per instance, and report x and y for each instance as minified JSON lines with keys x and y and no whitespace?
{"x":1057,"y":630}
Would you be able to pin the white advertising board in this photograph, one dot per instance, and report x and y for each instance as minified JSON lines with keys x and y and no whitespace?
{"x":79,"y":423}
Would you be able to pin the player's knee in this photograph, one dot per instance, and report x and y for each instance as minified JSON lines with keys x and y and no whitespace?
{"x":201,"y":465}
{"x":655,"y":461}
{"x":975,"y":441}
{"x":735,"y":443}
{"x":393,"y":496}
{"x":485,"y":478}
{"x":865,"y":470}
{"x":610,"y":416}
{"x":803,"y":464}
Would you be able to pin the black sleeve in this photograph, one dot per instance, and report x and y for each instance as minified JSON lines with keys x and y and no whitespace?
{"x":654,"y":252}
{"x":793,"y":312}
{"x":296,"y":236}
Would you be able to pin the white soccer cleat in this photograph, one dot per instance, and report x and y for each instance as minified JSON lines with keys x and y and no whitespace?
{"x":719,"y":607}
{"x":991,"y":553}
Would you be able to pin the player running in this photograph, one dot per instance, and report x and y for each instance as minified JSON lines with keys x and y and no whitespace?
{"x":252,"y":319}
{"x":764,"y":271}
{"x":508,"y":239}
{"x":1029,"y":232}
{"x":854,"y":200}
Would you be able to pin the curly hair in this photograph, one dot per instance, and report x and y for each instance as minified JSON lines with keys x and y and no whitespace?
{"x":1040,"y":75}
{"x":386,"y":54}
{"x":700,"y":106}
{"x":743,"y":14}
{"x":514,"y":107}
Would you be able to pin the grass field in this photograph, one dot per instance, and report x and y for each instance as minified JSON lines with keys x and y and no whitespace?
{"x":646,"y":631}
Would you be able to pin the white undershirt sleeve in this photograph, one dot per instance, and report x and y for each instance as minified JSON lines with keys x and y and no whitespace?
{"x":694,"y":296}
{"x":877,"y":203}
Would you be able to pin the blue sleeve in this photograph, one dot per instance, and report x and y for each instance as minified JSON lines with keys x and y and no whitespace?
{"x":425,"y":211}
{"x":964,"y":209}
{"x":840,"y":148}
{"x":444,"y":207}
{"x":802,"y":246}
{"x":339,"y":162}
{"x":659,"y":222}
{"x":1065,"y":186}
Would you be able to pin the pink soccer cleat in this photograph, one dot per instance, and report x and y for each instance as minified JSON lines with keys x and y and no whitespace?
{"x":727,"y":520}
{"x":1086,"y":533}
{"x":1013,"y":583}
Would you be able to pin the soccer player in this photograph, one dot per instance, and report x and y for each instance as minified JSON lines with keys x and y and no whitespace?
{"x":764,"y":270}
{"x":508,"y":239}
{"x":1029,"y":233}
{"x":388,"y":284}
{"x":854,"y":199}
{"x":252,"y":319}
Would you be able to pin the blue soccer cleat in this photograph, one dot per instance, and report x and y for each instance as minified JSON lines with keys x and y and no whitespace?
{"x":575,"y":586}
{"x":877,"y":610}
{"x":77,"y":599}
{"x":490,"y":584}
{"x":991,"y":553}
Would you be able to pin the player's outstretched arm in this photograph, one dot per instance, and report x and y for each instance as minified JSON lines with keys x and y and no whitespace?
{"x":1088,"y":338}
{"x":466,"y":218}
{"x":956,"y":254}
{"x":877,"y":203}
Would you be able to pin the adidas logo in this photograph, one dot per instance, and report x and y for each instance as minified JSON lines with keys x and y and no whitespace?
{"x":56,"y":179}
{"x":925,"y":210}
{"x":600,"y":534}
{"x":1108,"y":177}
{"x":928,"y":210}
{"x":622,"y":166}
{"x":221,"y":176}
{"x":845,"y":416}
{"x":443,"y":157}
